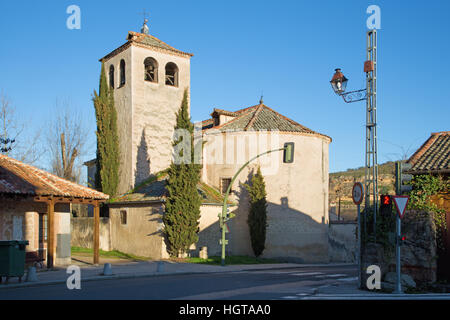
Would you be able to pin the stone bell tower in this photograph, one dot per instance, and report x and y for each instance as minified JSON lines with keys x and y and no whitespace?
{"x":149,"y":78}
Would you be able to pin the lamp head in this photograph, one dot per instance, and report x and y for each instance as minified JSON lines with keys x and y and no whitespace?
{"x":339,"y":82}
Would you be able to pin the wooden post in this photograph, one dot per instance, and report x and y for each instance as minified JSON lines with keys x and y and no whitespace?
{"x":96,"y":232}
{"x":447,"y":235}
{"x":50,"y":233}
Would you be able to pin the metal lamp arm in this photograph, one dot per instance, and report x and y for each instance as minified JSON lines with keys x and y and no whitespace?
{"x":354,"y":96}
{"x":224,"y":210}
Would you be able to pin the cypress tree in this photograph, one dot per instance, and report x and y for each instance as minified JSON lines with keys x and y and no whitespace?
{"x":257,"y":218}
{"x":107,"y":176}
{"x":181,"y":219}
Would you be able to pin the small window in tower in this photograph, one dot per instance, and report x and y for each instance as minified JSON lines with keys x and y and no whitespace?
{"x":122,"y":73}
{"x":171,"y":74}
{"x":151,"y":70}
{"x":123,"y":217}
{"x":111,"y":76}
{"x":224,"y":184}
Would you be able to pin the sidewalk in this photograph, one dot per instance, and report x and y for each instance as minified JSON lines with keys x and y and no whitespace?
{"x":348,"y":290}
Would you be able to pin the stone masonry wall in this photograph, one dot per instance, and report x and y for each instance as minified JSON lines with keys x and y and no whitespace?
{"x":418,"y":254}
{"x":123,"y":103}
{"x":141,"y":235}
{"x":82,"y":230}
{"x":154,"y":112}
{"x":210,"y":231}
{"x":342,"y":243}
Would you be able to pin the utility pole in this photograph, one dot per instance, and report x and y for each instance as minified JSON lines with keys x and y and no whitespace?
{"x":371,"y":172}
{"x":339,"y":85}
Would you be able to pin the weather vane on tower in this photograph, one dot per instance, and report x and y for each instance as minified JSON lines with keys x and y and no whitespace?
{"x":145,"y":28}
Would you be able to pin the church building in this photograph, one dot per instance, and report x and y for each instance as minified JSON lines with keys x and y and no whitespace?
{"x":149,"y":78}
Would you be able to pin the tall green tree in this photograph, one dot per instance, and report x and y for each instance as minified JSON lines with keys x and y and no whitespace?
{"x":257,"y":218}
{"x":181,"y":220}
{"x":107,"y":178}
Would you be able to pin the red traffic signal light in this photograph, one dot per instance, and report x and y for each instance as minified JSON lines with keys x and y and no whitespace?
{"x":401,"y":240}
{"x":385,"y":205}
{"x":385,"y":200}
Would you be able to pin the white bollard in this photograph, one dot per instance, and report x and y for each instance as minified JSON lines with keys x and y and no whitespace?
{"x":107,"y":269}
{"x":31,"y":275}
{"x":203,"y":254}
{"x":160,"y":267}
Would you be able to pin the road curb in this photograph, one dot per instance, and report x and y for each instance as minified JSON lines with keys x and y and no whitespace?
{"x":99,"y":278}
{"x":113,"y":277}
{"x":300,"y":266}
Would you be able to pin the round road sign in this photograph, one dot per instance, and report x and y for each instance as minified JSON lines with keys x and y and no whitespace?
{"x":358,"y":193}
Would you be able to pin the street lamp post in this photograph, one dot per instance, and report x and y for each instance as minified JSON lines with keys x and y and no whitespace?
{"x":339,"y":85}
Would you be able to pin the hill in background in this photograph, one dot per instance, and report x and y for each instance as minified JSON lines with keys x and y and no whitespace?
{"x":341,"y":184}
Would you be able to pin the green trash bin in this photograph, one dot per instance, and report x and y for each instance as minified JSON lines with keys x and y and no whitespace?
{"x":12,"y":259}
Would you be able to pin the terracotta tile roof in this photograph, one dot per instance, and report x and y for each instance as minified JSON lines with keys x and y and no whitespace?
{"x":147,"y":41}
{"x":155,"y":190}
{"x":224,"y":112}
{"x":433,"y":156}
{"x":207,"y":124}
{"x":22,"y":179}
{"x":261,"y":117}
{"x":90,"y":162}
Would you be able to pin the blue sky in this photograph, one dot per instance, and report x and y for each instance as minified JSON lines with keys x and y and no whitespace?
{"x":286,"y":49}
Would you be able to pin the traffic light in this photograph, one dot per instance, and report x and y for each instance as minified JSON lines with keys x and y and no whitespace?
{"x":401,"y":240}
{"x":385,"y":205}
{"x":386,"y":200}
{"x":220,"y":220}
{"x":401,"y":177}
{"x":288,"y":154}
{"x":230,"y":215}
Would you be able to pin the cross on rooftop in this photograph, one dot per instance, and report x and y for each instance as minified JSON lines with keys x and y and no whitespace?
{"x":144,"y":13}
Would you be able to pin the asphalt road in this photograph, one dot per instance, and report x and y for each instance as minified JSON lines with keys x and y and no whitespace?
{"x":283,"y":284}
